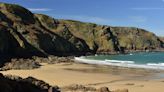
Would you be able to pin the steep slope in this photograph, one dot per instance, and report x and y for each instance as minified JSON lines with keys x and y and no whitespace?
{"x":101,"y":38}
{"x":24,"y":34}
{"x":162,"y":39}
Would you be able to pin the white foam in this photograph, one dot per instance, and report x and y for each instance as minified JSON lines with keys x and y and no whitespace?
{"x":96,"y":55}
{"x":89,"y":61}
{"x":119,"y":61}
{"x":155,"y":64}
{"x":130,"y":54}
{"x":130,"y":64}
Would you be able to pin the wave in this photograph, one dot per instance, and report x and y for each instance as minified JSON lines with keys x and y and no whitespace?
{"x":130,"y":64}
{"x":155,"y":64}
{"x":119,"y":61}
{"x":89,"y":61}
{"x":130,"y":54}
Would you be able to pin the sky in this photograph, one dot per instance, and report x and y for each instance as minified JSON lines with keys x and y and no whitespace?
{"x":146,"y":14}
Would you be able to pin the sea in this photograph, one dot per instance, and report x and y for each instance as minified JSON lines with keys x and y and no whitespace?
{"x":149,"y":60}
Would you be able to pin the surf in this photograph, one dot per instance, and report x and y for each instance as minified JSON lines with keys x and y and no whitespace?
{"x":139,"y":60}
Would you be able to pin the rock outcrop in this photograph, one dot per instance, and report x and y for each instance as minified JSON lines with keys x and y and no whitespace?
{"x":20,"y":64}
{"x":30,"y":84}
{"x":34,"y":62}
{"x":78,"y":88}
{"x":162,"y":39}
{"x":24,"y":34}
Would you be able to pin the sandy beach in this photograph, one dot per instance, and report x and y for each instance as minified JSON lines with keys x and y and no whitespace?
{"x":136,"y":80}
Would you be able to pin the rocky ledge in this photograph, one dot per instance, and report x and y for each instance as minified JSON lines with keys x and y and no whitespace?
{"x":16,"y":84}
{"x":34,"y":62}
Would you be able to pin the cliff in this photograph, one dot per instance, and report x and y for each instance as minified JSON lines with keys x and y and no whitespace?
{"x":24,"y":34}
{"x":162,"y":39}
{"x":101,"y":38}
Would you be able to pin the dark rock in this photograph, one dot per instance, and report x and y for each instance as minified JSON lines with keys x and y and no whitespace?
{"x":21,"y":64}
{"x":34,"y":62}
{"x":11,"y":77}
{"x":103,"y":89}
{"x":53,"y":59}
{"x":17,"y":84}
{"x":37,"y":82}
{"x":53,"y":89}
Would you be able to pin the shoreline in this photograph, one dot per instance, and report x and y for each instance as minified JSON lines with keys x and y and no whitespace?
{"x":120,"y":63}
{"x":64,"y":74}
{"x":125,"y":52}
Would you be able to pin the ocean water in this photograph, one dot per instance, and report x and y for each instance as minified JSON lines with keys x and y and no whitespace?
{"x":152,"y":60}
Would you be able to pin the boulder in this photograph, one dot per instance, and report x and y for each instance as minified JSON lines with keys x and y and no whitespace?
{"x":17,"y":84}
{"x":103,"y":89}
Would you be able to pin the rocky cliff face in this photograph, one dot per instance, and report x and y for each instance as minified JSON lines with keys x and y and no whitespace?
{"x":25,"y":34}
{"x":162,"y":39}
{"x":106,"y":38}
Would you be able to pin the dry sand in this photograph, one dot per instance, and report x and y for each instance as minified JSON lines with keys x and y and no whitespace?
{"x":136,"y":80}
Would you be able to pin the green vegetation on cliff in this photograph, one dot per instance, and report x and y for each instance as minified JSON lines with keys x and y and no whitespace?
{"x":23,"y":33}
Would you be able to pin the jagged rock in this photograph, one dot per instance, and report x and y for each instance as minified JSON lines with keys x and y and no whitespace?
{"x":103,"y":89}
{"x":34,"y":62}
{"x":11,"y":77}
{"x":21,"y":64}
{"x":113,"y":39}
{"x":17,"y":84}
{"x":26,"y":36}
{"x":53,"y":89}
{"x":37,"y":82}
{"x":53,"y":59}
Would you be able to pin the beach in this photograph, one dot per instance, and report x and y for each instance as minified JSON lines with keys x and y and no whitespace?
{"x":64,"y":74}
{"x":71,"y":46}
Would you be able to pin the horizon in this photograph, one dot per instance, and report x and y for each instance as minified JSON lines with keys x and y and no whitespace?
{"x":145,"y":14}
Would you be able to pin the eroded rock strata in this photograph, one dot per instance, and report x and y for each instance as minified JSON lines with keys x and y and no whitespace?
{"x":24,"y":34}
